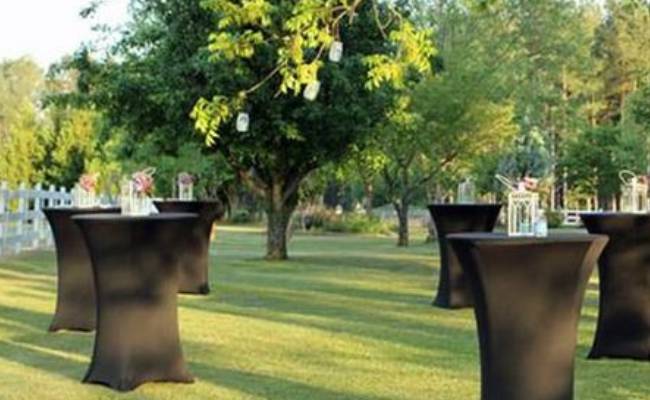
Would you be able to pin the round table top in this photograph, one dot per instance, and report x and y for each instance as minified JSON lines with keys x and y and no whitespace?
{"x":179,"y":201}
{"x":614,"y":214}
{"x":503,"y":238}
{"x":464,"y":205}
{"x":133,"y":218}
{"x":74,"y":210}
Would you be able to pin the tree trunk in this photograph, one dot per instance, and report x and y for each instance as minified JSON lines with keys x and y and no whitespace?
{"x":369,"y":193}
{"x":279,"y":210}
{"x":402,"y":209}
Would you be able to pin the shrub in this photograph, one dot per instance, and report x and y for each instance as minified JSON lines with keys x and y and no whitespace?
{"x":357,"y":223}
{"x":241,"y":216}
{"x":555,"y":219}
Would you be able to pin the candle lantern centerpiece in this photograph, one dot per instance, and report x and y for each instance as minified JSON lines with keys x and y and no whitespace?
{"x":84,"y":193}
{"x":466,"y":192}
{"x":134,"y":199}
{"x":523,"y":206}
{"x":185,"y":186}
{"x":634,"y":192}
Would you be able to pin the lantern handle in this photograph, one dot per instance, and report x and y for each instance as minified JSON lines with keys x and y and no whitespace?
{"x":505,"y":181}
{"x":626,"y":173}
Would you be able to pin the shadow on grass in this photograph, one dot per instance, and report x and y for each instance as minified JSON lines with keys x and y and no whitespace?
{"x":270,"y":387}
{"x":31,"y":345}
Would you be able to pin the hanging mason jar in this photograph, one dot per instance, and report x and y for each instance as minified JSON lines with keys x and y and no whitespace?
{"x":466,"y":192}
{"x":336,"y":51}
{"x":634,"y":193}
{"x":311,"y":90}
{"x":243,"y":122}
{"x":522,"y":207}
{"x":185,"y":186}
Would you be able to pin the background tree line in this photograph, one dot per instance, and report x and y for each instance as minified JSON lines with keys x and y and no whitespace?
{"x":557,"y":89}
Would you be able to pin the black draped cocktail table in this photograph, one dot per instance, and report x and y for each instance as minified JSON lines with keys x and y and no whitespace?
{"x":75,"y":296}
{"x":193,"y":274}
{"x":527,"y":298}
{"x":135,"y":264}
{"x":623,"y":329}
{"x":457,"y":218}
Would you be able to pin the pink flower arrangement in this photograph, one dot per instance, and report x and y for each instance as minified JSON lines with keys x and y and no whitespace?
{"x":88,"y":182}
{"x":530,"y":183}
{"x":143,"y":181}
{"x":185,"y":178}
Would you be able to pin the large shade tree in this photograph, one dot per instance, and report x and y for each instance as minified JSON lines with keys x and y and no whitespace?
{"x":215,"y":58}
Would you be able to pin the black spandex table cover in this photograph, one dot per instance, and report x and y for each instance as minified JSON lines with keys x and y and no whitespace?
{"x":624,"y":269}
{"x":528,"y":293}
{"x":193,"y":274}
{"x":75,"y":295}
{"x":135,"y":264}
{"x":457,"y":218}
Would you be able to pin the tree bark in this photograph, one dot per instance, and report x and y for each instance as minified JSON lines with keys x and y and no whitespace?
{"x":369,"y":194}
{"x":402,"y":209}
{"x":280,"y":208}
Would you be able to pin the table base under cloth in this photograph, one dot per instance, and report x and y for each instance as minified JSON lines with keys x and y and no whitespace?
{"x":528,"y":294}
{"x":453,"y":290}
{"x":135,"y":264}
{"x":624,"y":270}
{"x":193,"y":273}
{"x":75,"y":295}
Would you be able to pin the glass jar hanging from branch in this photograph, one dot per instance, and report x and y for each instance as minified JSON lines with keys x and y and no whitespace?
{"x":185,"y":186}
{"x":634,"y":192}
{"x":84,"y":193}
{"x":134,"y":198}
{"x":523,"y":204}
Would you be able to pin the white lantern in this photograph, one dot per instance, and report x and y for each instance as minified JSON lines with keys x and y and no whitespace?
{"x":522,"y":213}
{"x":522,"y":207}
{"x":134,"y":194}
{"x":466,"y":192}
{"x":243,"y":122}
{"x":634,"y":193}
{"x":336,"y":51}
{"x":311,"y":90}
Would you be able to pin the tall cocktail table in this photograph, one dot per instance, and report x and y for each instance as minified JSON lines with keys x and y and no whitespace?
{"x":135,"y":264}
{"x":75,"y":295}
{"x":453,"y":291}
{"x":623,"y":329}
{"x":528,"y":293}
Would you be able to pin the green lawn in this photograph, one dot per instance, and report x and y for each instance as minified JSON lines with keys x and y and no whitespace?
{"x":347,"y":318}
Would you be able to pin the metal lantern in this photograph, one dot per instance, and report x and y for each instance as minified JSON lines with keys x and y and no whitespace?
{"x":522,"y":207}
{"x":134,"y":194}
{"x":466,"y":192}
{"x":311,"y":90}
{"x":522,"y":213}
{"x":336,"y":51}
{"x":243,"y":122}
{"x":634,"y":193}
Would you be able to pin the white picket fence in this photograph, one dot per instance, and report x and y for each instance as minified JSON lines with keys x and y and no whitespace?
{"x":22,"y":223}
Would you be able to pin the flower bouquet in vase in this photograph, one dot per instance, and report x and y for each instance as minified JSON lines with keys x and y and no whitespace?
{"x":84,"y":193}
{"x":134,"y":198}
{"x":185,"y":186}
{"x":466,"y":192}
{"x":523,"y":207}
